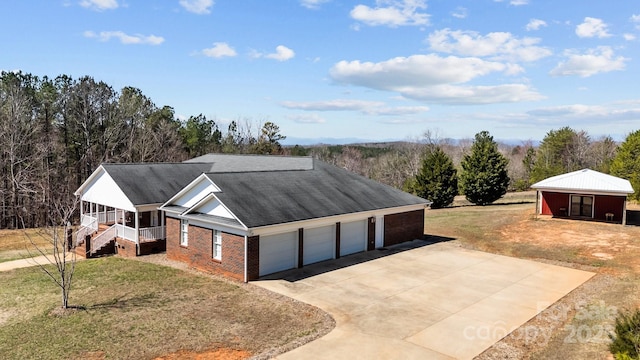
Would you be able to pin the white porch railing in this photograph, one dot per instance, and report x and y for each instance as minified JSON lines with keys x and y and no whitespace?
{"x":151,"y":233}
{"x":89,"y":222}
{"x":107,"y":218}
{"x":102,"y":239}
{"x":125,"y":232}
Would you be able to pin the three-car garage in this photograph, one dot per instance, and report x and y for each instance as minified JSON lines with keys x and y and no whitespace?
{"x":279,"y":252}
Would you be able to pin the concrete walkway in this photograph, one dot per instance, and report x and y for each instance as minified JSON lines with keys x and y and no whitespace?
{"x":427,"y":302}
{"x":28,"y":262}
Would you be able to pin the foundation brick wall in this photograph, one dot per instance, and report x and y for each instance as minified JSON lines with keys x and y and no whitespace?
{"x":153,"y":247}
{"x":125,"y":248}
{"x":402,"y":227}
{"x":253,"y":257}
{"x":199,"y":251}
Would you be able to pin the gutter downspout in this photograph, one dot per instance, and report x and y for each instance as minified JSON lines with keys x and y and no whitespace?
{"x":246,"y":247}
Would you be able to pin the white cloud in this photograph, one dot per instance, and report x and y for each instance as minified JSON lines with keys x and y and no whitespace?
{"x":282,"y":53}
{"x":398,"y":110}
{"x":99,"y":5}
{"x":497,"y":45}
{"x":392,"y":13}
{"x":416,"y":70}
{"x":467,"y":95}
{"x":220,"y":50}
{"x":635,"y":19}
{"x":197,"y":6}
{"x":307,"y":118}
{"x":594,"y":61}
{"x":363,"y":106}
{"x":125,"y":38}
{"x":432,"y":78}
{"x":460,"y":13}
{"x":596,"y":114}
{"x":515,"y":2}
{"x":592,"y":27}
{"x":332,"y":105}
{"x":629,"y":37}
{"x":313,"y":4}
{"x":535,"y":24}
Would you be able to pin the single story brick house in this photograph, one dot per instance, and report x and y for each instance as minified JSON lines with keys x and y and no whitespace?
{"x":245,"y":216}
{"x":583,"y":194}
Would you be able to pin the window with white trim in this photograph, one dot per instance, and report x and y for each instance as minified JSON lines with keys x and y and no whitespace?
{"x":217,"y":244}
{"x":184,"y":232}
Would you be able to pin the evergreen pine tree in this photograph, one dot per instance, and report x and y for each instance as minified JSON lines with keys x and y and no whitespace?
{"x":437,"y":179}
{"x":626,"y":164}
{"x":484,"y":177}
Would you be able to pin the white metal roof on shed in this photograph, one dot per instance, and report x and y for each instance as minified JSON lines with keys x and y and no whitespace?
{"x":586,"y":180}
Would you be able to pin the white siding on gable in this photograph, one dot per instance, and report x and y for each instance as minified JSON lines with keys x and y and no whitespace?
{"x":104,"y":190}
{"x":214,"y":207}
{"x":196,"y":193}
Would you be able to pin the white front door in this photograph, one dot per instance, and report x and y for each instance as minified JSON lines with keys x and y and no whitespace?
{"x":380,"y":231}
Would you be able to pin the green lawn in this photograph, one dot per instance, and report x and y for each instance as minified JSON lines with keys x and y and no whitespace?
{"x":135,"y":310}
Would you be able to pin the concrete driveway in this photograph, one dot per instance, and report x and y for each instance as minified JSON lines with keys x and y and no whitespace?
{"x":422,"y":302}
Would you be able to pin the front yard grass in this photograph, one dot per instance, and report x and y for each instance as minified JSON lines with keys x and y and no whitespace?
{"x":129,"y":309}
{"x":15,"y":244}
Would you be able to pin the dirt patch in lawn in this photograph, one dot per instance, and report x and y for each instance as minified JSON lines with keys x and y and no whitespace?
{"x":217,"y":354}
{"x":611,"y":247}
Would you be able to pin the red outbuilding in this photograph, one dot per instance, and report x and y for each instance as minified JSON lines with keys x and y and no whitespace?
{"x":583,"y":194}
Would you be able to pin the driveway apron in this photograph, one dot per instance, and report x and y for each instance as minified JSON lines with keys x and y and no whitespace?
{"x":422,"y":302}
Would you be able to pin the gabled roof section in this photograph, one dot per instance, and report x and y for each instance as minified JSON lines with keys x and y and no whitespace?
{"x":261,"y":198}
{"x":244,"y":163}
{"x":586,"y":180}
{"x":154,"y":183}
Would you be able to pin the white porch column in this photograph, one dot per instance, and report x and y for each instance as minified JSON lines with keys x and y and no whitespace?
{"x":164,"y":230}
{"x":137,"y":226}
{"x":624,"y":212}
{"x":81,"y":210}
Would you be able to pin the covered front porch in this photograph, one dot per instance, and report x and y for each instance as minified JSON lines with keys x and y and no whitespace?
{"x":135,"y":231}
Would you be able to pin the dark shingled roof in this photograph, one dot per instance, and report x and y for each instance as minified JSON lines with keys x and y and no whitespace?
{"x":154,"y":183}
{"x":244,"y":163}
{"x":275,"y":197}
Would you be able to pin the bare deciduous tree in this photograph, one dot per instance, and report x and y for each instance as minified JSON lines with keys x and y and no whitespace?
{"x":59,"y":253}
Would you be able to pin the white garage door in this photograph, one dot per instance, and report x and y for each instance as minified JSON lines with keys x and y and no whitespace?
{"x":353,"y":237}
{"x":278,"y":252}
{"x":319,"y":244}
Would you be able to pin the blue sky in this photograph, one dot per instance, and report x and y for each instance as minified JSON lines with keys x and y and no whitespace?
{"x":366,"y":69}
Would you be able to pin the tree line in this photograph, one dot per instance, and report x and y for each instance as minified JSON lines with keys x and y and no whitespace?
{"x":54,"y":132}
{"x":406,"y":165}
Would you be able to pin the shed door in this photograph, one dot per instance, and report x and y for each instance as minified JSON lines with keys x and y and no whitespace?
{"x":319,"y":244}
{"x":278,"y":252}
{"x":582,"y":205}
{"x":353,"y":237}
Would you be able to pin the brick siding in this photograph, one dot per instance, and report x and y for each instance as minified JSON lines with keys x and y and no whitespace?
{"x":199,"y":251}
{"x":253,"y":258}
{"x":402,"y":227}
{"x":126,"y":248}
